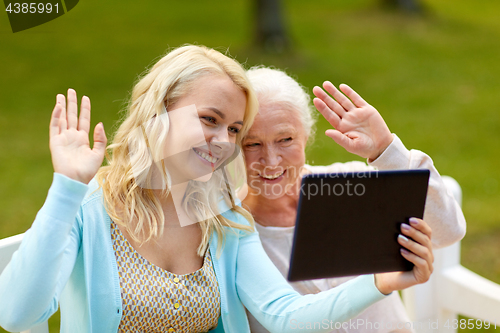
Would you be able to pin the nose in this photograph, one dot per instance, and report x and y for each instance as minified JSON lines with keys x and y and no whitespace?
{"x":219,"y":141}
{"x":270,"y":157}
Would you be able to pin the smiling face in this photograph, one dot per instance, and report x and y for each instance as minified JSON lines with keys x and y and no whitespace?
{"x":203,"y":128}
{"x":274,"y":151}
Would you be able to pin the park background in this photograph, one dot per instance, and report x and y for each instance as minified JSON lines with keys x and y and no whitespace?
{"x":434,"y":77}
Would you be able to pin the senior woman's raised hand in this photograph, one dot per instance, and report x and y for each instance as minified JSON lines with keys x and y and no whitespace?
{"x":358,"y":127}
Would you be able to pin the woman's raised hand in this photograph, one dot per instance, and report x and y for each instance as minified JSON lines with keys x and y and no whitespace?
{"x":359,"y":128}
{"x":418,"y":251}
{"x":69,"y":139}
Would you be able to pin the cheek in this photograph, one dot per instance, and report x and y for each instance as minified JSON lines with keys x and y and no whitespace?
{"x":206,"y":132}
{"x":250,"y":159}
{"x":295,"y":156}
{"x":232,"y":139}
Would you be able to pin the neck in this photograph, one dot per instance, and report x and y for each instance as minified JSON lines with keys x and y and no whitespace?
{"x":273,"y":212}
{"x":172,"y":206}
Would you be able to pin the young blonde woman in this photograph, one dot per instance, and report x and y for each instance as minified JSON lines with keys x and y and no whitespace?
{"x":110,"y":247}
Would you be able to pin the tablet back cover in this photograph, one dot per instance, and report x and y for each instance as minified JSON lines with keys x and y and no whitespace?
{"x":348,"y":223}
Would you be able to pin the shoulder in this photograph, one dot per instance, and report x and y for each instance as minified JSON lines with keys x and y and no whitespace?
{"x":233,"y":215}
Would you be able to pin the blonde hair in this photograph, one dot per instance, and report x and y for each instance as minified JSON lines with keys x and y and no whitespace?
{"x":136,"y":208}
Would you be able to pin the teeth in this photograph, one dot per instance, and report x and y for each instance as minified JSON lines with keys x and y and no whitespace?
{"x":209,"y":158}
{"x":273,"y":177}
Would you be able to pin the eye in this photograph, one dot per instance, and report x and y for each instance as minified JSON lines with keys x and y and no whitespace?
{"x":253,"y":144}
{"x":210,"y":120}
{"x":234,"y":130}
{"x":286,"y":139}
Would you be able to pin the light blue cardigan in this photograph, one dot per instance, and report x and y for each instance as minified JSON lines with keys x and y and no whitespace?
{"x":67,"y":257}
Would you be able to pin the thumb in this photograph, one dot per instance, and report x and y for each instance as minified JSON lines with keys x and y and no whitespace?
{"x":100,"y":139}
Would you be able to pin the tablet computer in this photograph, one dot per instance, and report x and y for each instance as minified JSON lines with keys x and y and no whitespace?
{"x":348,"y":223}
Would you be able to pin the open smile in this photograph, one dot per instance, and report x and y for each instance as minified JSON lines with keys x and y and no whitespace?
{"x":274,"y":177}
{"x":206,"y":156}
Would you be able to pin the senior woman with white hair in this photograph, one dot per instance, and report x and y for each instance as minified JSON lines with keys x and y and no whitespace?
{"x":275,"y":157}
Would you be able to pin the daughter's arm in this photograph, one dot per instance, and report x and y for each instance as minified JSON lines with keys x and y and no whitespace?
{"x":31,"y":283}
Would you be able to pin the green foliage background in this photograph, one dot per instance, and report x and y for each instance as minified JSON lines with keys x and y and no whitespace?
{"x":434,"y":78}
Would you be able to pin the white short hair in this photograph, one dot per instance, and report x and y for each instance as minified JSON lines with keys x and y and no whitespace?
{"x":275,"y":87}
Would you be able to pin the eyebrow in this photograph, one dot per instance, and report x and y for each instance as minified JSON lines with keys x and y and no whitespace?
{"x":286,"y":130}
{"x":222,"y":115}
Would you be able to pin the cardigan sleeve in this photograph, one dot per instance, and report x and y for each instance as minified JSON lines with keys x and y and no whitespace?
{"x":31,"y":283}
{"x":279,"y":308}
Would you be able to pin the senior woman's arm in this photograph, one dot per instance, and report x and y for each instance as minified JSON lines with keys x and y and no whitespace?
{"x":361,"y":130}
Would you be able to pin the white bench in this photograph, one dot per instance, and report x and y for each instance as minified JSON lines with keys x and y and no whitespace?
{"x":7,"y":248}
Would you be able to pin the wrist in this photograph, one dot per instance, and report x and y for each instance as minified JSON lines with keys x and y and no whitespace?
{"x":74,"y":177}
{"x":383,"y":145}
{"x":384,"y":289}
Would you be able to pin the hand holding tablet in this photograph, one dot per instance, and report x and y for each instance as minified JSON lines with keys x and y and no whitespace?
{"x":350,"y":224}
{"x":420,"y":255}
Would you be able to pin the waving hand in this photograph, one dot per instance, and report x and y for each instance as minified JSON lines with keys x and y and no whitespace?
{"x":358,"y":127}
{"x":69,"y":139}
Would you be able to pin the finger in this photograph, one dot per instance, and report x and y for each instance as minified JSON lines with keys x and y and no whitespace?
{"x":422,"y":270}
{"x":84,"y":121}
{"x":61,"y":99}
{"x":100,"y":139}
{"x":72,"y":109}
{"x":419,"y":250}
{"x":330,"y":116}
{"x":63,"y":123}
{"x":340,"y":97}
{"x":54,"y":119}
{"x":329,"y":101}
{"x":421,"y":225}
{"x":420,"y":238}
{"x":421,"y":265}
{"x":416,"y":235}
{"x":353,"y":96}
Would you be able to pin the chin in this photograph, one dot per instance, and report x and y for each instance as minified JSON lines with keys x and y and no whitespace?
{"x":267,"y":191}
{"x":204,"y":178}
{"x":272,"y":196}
